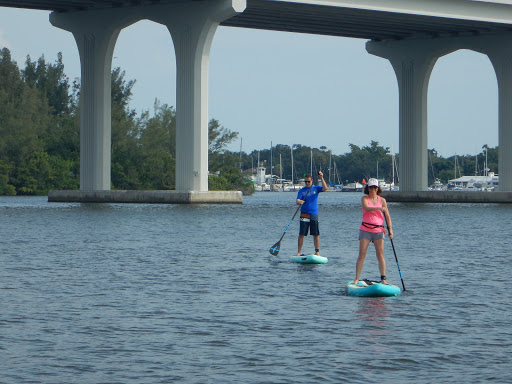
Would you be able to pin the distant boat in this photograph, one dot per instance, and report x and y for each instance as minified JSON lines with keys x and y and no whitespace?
{"x":264,"y":187}
{"x":334,"y":188}
{"x":437,"y":186}
{"x":487,"y":183}
{"x":385,"y":186}
{"x":353,"y":187}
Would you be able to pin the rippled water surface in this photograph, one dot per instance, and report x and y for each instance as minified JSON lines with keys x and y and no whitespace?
{"x":190,"y":294}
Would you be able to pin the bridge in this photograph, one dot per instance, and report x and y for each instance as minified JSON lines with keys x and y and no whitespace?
{"x":411,"y":34}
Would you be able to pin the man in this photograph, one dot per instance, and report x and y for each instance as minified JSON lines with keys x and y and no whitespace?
{"x":308,"y":199}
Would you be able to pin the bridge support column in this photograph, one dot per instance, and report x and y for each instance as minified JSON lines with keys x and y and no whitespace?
{"x":412,"y":62}
{"x":95,"y":36}
{"x":499,"y":51}
{"x":192,"y":27}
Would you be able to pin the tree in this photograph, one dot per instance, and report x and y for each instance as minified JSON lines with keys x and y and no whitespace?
{"x":125,"y":134}
{"x":219,"y":137}
{"x":158,"y":147}
{"x":226,"y":164}
{"x":51,"y":81}
{"x":24,"y":115}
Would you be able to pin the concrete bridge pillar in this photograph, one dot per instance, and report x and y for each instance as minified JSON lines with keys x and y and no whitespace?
{"x":95,"y":35}
{"x":499,"y":51}
{"x":192,"y":27}
{"x":412,"y":61}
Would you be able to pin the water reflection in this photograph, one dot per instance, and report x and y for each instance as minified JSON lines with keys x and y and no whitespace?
{"x":374,"y":312}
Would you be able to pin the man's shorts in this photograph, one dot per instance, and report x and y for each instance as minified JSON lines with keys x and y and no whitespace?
{"x":370,"y":235}
{"x":311,"y":224}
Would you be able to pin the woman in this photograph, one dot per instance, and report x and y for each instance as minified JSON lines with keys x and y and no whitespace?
{"x":372,"y":228}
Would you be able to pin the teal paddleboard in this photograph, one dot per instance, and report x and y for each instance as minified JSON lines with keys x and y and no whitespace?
{"x":368,"y":288}
{"x":310,"y":259}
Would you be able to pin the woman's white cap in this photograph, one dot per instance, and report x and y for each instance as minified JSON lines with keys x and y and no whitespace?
{"x":373,"y":183}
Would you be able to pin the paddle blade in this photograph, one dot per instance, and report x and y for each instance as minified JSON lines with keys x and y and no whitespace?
{"x":274,"y":250}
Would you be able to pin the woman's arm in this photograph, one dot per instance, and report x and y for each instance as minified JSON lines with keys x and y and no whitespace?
{"x":364,"y":201}
{"x":385,"y":211}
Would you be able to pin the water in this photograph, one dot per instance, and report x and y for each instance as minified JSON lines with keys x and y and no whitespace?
{"x":190,"y":294}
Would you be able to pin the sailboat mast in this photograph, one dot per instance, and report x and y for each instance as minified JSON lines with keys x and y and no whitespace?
{"x":486,"y":168}
{"x":393,"y":167}
{"x":311,"y":169}
{"x":280,"y":167}
{"x":271,"y":167}
{"x":330,"y":164}
{"x":291,"y":150}
{"x":240,"y":154}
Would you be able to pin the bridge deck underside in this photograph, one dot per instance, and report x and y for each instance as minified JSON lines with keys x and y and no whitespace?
{"x":305,"y":18}
{"x":357,"y":23}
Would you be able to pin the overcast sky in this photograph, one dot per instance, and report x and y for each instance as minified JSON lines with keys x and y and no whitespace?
{"x":287,"y":88}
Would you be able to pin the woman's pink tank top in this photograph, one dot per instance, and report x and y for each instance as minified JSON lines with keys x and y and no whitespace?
{"x":374,"y":220}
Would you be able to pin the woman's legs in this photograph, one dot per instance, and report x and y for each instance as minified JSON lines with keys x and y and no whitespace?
{"x":363,"y":248}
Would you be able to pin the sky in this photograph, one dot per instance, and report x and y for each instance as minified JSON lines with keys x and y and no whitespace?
{"x":287,"y":88}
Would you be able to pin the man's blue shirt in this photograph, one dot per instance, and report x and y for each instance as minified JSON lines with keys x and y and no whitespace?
{"x":311,"y":204}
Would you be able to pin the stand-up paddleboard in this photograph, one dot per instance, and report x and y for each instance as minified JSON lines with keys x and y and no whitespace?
{"x":368,"y":288}
{"x":310,"y":259}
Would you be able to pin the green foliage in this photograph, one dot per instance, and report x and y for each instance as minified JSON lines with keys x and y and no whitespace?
{"x":233,"y":180}
{"x":219,"y":137}
{"x":158,"y":147}
{"x":125,"y":154}
{"x":51,"y":81}
{"x":24,"y":116}
{"x":225,"y":164}
{"x":42,"y":172}
{"x":368,"y":161}
{"x":6,"y":188}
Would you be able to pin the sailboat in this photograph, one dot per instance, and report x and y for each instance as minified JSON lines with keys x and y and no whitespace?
{"x":332,"y":186}
{"x":291,"y":187}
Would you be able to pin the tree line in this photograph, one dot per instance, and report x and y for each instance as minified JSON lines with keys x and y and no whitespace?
{"x":40,"y":142}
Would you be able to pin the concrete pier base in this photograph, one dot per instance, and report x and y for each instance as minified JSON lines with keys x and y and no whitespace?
{"x":447,"y":197}
{"x":146,"y":197}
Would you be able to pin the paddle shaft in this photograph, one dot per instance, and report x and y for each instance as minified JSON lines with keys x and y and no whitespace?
{"x":275,"y":247}
{"x":394,"y":252}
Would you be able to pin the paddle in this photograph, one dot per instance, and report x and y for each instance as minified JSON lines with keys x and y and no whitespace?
{"x":396,"y":258}
{"x":274,"y":250}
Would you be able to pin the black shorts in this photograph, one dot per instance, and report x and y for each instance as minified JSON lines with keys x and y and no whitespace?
{"x":310,"y":224}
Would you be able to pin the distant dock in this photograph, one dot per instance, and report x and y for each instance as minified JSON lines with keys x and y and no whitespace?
{"x":447,"y":197}
{"x":146,"y":197}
